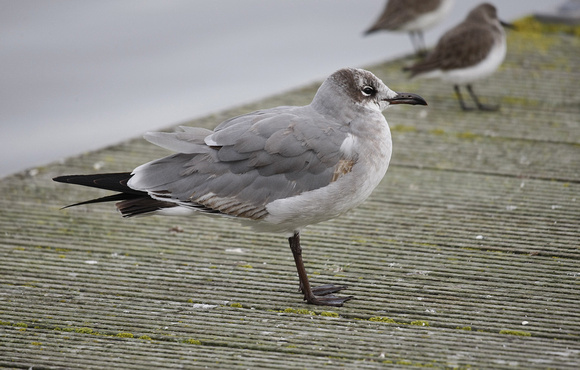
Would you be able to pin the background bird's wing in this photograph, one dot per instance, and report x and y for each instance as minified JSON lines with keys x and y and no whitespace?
{"x":399,"y":12}
{"x":396,"y":13}
{"x":460,"y":47}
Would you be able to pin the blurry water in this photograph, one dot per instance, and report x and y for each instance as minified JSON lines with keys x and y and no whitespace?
{"x":79,"y":75}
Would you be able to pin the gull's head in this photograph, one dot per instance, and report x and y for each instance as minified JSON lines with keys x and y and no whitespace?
{"x":351,"y":86}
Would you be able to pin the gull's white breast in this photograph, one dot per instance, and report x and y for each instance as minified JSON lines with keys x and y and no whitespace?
{"x":350,"y":190}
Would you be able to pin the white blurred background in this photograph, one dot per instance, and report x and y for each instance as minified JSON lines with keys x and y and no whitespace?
{"x":79,"y":75}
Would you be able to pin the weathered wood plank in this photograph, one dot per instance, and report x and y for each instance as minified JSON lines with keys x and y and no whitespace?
{"x":467,"y":255}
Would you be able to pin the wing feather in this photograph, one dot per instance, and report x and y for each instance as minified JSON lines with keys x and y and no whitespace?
{"x":462,"y":46}
{"x":250,"y":160}
{"x":187,"y":140}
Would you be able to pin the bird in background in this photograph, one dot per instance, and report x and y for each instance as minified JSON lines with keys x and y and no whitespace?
{"x":278,"y":170}
{"x":472,"y":50}
{"x":412,"y":16}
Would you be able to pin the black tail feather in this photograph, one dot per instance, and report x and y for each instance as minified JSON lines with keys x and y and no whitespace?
{"x":107,"y":181}
{"x":132,"y":202}
{"x":141,"y":205}
{"x":109,"y":198}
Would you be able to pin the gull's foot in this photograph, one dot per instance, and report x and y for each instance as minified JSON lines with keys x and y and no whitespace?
{"x":322,"y":295}
{"x":327,"y":300}
{"x":327,"y":289}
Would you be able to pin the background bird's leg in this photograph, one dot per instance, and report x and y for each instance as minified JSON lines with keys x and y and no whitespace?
{"x":461,"y":102}
{"x":319,"y":295}
{"x":480,"y":105}
{"x":412,"y":37}
{"x":421,"y":41}
{"x":418,"y":43}
{"x":413,"y":41}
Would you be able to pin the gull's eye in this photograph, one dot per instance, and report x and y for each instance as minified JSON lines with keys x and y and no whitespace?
{"x":368,"y":90}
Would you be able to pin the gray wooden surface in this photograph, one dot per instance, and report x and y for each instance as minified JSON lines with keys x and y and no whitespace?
{"x":467,"y":255}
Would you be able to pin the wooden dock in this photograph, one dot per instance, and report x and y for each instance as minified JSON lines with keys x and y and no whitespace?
{"x":466,"y":256}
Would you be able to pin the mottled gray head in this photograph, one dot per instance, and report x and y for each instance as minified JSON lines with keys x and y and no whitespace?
{"x":350,"y":86}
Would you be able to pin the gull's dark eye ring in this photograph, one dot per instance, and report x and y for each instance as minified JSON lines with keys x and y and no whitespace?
{"x":368,"y":90}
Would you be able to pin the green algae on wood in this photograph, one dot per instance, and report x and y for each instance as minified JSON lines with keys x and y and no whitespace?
{"x":125,"y":335}
{"x":191,"y":341}
{"x":516,"y":332}
{"x":532,"y":24}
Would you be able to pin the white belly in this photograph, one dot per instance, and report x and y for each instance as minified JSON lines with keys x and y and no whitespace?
{"x":429,"y":20}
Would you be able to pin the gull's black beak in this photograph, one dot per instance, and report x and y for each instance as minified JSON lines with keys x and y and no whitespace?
{"x":507,"y":25}
{"x":407,"y":98}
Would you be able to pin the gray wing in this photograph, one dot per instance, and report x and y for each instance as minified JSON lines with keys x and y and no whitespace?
{"x":246,"y":162}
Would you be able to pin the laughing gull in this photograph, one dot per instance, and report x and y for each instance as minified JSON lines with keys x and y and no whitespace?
{"x":413,"y":16}
{"x":472,"y":50}
{"x":278,"y":169}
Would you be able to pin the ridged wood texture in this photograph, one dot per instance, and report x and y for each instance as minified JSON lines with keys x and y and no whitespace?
{"x":467,"y":255}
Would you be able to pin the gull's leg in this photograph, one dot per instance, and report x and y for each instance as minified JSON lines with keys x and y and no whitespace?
{"x":481,"y":106}
{"x":461,"y":102}
{"x":320,"y":295}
